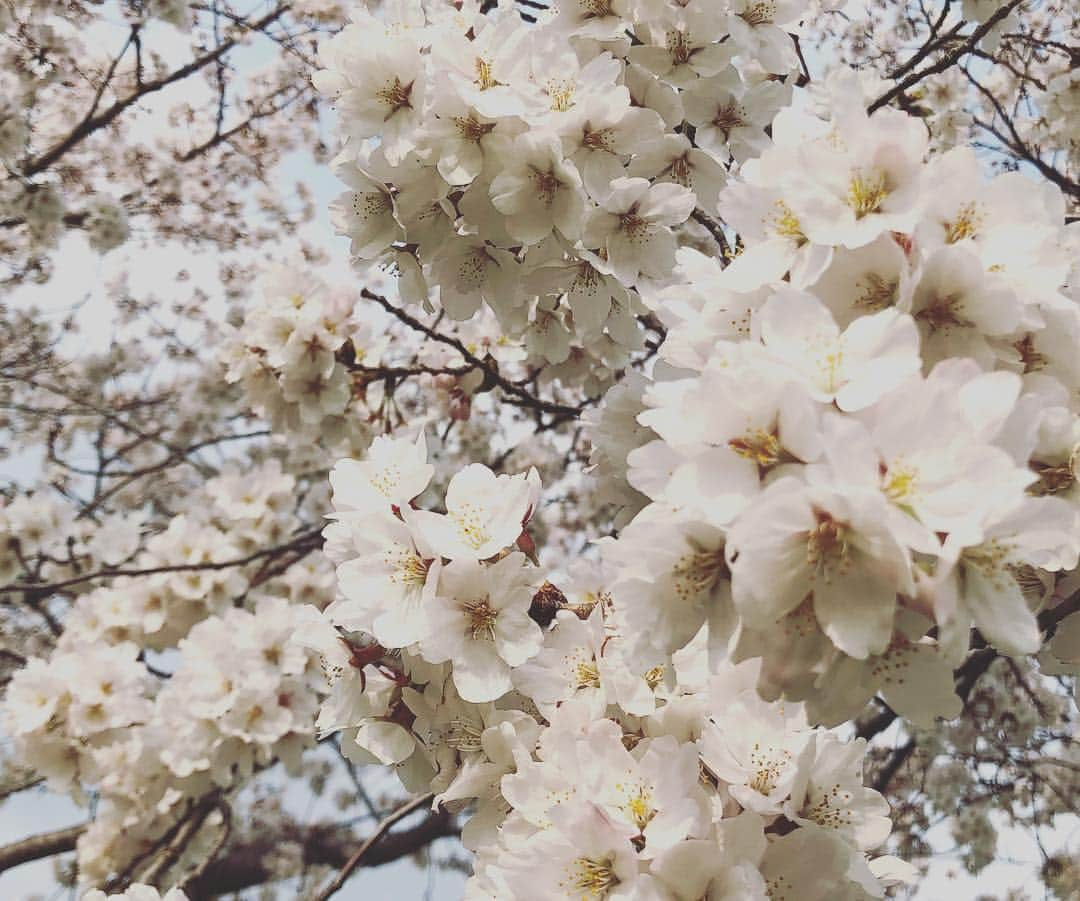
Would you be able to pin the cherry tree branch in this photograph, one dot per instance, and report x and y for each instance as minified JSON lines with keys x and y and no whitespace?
{"x":244,"y":863}
{"x":94,"y":121}
{"x":35,"y":847}
{"x":303,"y":543}
{"x":948,"y":60}
{"x":354,"y":861}
{"x":517,"y":393}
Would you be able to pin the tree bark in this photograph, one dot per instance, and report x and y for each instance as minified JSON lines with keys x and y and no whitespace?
{"x":37,"y":846}
{"x":244,"y":863}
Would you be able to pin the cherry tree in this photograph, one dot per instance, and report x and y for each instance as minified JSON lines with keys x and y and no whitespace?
{"x":676,"y":498}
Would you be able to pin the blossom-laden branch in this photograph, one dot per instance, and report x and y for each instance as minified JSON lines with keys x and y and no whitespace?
{"x":299,"y":545}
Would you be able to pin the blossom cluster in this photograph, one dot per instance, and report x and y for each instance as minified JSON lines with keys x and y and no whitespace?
{"x":541,"y":170}
{"x":865,"y":431}
{"x":244,"y":694}
{"x":194,"y":563}
{"x":450,"y":656}
{"x":290,"y":356}
{"x":103,"y":712}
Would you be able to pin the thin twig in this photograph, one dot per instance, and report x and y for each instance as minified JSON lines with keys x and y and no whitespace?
{"x":353,"y":862}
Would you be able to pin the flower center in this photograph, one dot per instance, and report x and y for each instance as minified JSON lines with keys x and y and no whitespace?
{"x":409,"y":568}
{"x":470,"y":526}
{"x":561,"y":94}
{"x":965,"y":225}
{"x":1054,"y":478}
{"x":587,"y":675}
{"x":596,"y":9}
{"x":829,"y":811}
{"x":395,"y":95}
{"x":768,"y":764}
{"x":634,"y":225}
{"x":547,"y":185}
{"x":654,"y":676}
{"x":464,"y":735}
{"x":598,"y":140}
{"x":480,"y":619}
{"x":639,"y":807}
{"x":878,"y":292}
{"x":989,"y":560}
{"x":594,"y":875}
{"x":900,"y":483}
{"x":760,"y":446}
{"x":759,"y":13}
{"x":944,"y":312}
{"x":678,"y":45}
{"x":698,"y":572}
{"x":370,"y":205}
{"x":786,"y":224}
{"x":470,"y":129}
{"x":729,"y":117}
{"x":866,"y":193}
{"x":827,"y":542}
{"x":1033,"y":360}
{"x":484,"y":77}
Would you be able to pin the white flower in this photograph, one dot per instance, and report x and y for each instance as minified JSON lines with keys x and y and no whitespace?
{"x":583,"y":857}
{"x":957,"y":306}
{"x":854,"y":367}
{"x":831,"y":543}
{"x":653,"y":793}
{"x":366,"y":213}
{"x":759,"y":750}
{"x":985,"y":569}
{"x":380,"y":85}
{"x":631,"y":227}
{"x":730,"y":120}
{"x":485,"y":513}
{"x":538,"y":190}
{"x":395,"y":471}
{"x":757,"y":29}
{"x":865,"y":182}
{"x":387,"y":584}
{"x":570,"y":664}
{"x":480,"y":621}
{"x":829,"y":793}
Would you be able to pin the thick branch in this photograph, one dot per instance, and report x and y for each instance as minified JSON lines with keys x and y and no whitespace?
{"x":358,"y":856}
{"x":245,"y":863}
{"x":38,"y":846}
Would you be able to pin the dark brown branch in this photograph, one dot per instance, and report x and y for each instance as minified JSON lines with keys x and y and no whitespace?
{"x":244,"y":863}
{"x":892,"y":766}
{"x":946,"y":61}
{"x":354,"y":861}
{"x":491,"y":373}
{"x":977,"y":663}
{"x":1018,"y":146}
{"x":91,"y":122}
{"x":38,"y":846}
{"x":305,"y":542}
